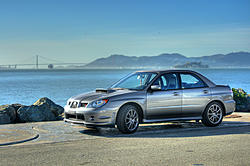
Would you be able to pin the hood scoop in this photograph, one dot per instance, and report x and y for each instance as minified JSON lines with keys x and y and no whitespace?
{"x":100,"y":90}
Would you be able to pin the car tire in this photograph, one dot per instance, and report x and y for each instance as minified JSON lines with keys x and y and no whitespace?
{"x":213,"y":114}
{"x":128,"y":119}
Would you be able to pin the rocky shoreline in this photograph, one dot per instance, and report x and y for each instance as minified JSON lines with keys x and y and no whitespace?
{"x":43,"y":109}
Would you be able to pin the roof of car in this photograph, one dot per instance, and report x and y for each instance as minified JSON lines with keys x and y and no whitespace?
{"x":164,"y":71}
{"x":205,"y":79}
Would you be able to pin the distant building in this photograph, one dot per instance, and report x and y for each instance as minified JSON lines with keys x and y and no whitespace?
{"x":192,"y":65}
{"x":50,"y":66}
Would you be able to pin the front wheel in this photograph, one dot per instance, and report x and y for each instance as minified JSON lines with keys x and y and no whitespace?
{"x":128,"y":119}
{"x":213,"y":114}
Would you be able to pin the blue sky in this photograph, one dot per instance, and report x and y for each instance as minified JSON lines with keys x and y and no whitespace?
{"x":83,"y":30}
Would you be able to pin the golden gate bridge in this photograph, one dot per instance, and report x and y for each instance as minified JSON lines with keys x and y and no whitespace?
{"x":40,"y":62}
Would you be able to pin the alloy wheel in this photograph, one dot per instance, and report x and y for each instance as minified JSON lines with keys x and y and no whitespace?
{"x":132,"y":119}
{"x":214,"y":113}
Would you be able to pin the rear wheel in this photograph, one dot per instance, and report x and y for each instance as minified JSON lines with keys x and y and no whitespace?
{"x":213,"y":114}
{"x":128,"y":119}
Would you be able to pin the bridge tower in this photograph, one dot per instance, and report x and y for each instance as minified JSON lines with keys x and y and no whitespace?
{"x":36,"y":61}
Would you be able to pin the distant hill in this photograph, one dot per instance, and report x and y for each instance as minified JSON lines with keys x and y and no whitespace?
{"x":235,"y":59}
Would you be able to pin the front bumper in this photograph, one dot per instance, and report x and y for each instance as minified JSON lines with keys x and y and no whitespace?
{"x":90,"y":116}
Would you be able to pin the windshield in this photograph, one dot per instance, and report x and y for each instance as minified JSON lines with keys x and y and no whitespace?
{"x":135,"y":81}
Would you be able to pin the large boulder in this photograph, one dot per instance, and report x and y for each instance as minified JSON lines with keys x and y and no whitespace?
{"x":16,"y":106}
{"x":7,"y":114}
{"x":35,"y":114}
{"x":42,"y":110}
{"x":56,"y":109}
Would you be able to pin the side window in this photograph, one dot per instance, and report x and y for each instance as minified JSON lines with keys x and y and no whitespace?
{"x":190,"y":81}
{"x":167,"y":81}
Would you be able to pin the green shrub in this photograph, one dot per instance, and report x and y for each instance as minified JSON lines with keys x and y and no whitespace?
{"x":240,"y":96}
{"x":241,"y":99}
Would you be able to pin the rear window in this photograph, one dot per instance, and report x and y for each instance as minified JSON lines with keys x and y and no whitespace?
{"x":191,"y":81}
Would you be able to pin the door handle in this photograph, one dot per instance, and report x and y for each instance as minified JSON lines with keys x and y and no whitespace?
{"x":176,"y":94}
{"x":205,"y":91}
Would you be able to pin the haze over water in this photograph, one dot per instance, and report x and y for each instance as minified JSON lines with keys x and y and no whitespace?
{"x":26,"y":86}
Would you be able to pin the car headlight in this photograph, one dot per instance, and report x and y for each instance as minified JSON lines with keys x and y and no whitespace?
{"x":99,"y":103}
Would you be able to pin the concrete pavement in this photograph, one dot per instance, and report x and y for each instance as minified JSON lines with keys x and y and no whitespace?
{"x":189,"y":144}
{"x":59,"y":131}
{"x":199,"y":147}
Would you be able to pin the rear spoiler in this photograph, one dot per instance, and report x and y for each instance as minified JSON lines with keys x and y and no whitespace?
{"x":223,"y":86}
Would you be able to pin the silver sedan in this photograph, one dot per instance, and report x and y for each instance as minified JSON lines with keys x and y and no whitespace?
{"x":152,"y":96}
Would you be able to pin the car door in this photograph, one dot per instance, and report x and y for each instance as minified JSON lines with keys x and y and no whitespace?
{"x":166,"y":102}
{"x":196,"y":95}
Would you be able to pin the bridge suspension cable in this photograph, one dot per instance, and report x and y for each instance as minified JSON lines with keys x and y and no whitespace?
{"x":50,"y":59}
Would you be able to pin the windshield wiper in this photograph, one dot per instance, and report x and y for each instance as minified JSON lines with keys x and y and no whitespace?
{"x":118,"y":88}
{"x":134,"y":89}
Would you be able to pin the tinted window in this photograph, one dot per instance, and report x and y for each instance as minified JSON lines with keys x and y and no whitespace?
{"x":190,"y":81}
{"x":167,"y":81}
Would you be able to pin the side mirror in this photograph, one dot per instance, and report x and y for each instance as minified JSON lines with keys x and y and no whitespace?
{"x":155,"y":87}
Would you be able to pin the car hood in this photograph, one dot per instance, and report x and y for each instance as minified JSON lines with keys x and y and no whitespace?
{"x":95,"y":95}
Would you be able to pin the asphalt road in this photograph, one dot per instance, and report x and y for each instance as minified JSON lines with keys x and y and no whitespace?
{"x":205,"y":146}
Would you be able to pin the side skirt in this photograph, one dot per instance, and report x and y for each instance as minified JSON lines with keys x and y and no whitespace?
{"x":171,"y":119}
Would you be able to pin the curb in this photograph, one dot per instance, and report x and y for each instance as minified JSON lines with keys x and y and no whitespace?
{"x":21,"y":141}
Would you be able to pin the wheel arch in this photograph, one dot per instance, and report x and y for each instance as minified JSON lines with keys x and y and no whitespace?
{"x":138,"y":106}
{"x":218,"y":101}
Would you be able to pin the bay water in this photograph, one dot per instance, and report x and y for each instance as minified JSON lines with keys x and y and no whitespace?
{"x":26,"y":86}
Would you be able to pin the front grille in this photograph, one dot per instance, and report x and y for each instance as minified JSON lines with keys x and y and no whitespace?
{"x":83,"y":104}
{"x":80,"y":116}
{"x":70,"y":116}
{"x":74,"y":104}
{"x":74,"y":116}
